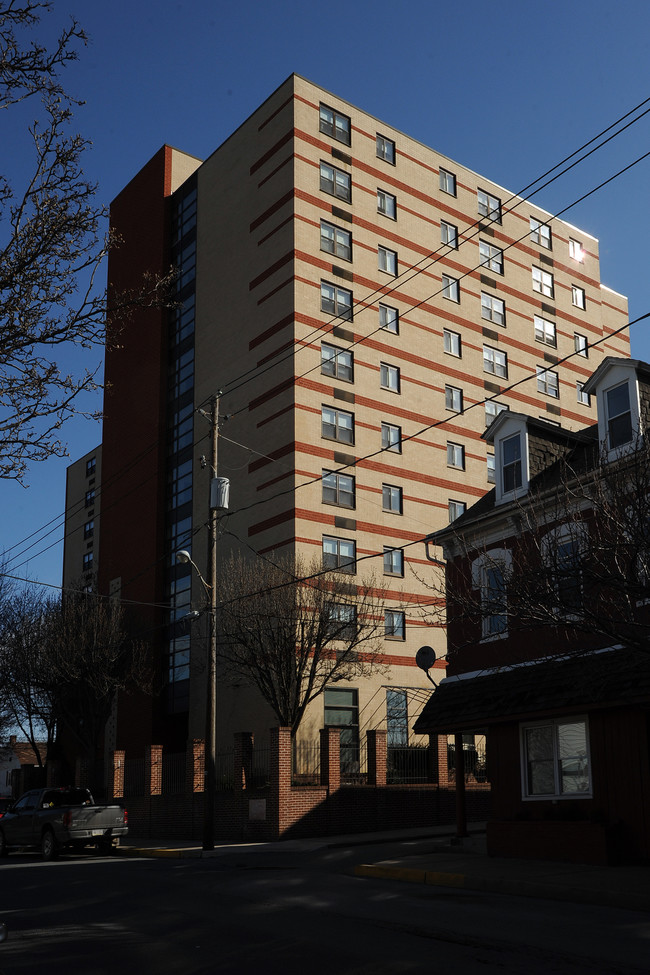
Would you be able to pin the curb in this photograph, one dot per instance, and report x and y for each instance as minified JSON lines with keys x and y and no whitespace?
{"x":155,"y":853}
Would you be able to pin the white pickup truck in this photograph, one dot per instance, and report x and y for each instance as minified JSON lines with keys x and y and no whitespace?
{"x":53,"y":819}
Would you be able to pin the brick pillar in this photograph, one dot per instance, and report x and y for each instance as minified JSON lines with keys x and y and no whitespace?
{"x":153,"y":769}
{"x":330,"y":758}
{"x":280,"y":774}
{"x":117,"y":776}
{"x":195,"y":765}
{"x":243,"y":759}
{"x":377,"y":755}
{"x":437,"y":761}
{"x":52,"y":773}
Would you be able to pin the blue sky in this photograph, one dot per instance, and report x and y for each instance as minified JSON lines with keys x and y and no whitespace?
{"x":507,"y":88}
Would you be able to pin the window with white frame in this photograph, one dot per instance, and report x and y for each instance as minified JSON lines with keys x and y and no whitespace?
{"x":581,"y":344}
{"x":337,"y":424}
{"x":491,"y":469}
{"x":386,"y":260}
{"x":511,"y":463}
{"x":454,"y":399}
{"x":555,"y":759}
{"x":389,"y":377}
{"x":448,"y":234}
{"x":334,"y":124}
{"x":336,"y":301}
{"x":548,"y":382}
{"x":337,"y":363}
{"x":490,"y":256}
{"x":451,"y":342}
{"x":493,"y":309}
{"x":495,"y":361}
{"x":393,"y":561}
{"x":581,"y":395}
{"x":450,"y":288}
{"x":456,"y":509}
{"x":545,"y":331}
{"x":391,"y":498}
{"x":335,"y":182}
{"x":540,"y":233}
{"x":543,"y":282}
{"x":489,"y":206}
{"x":391,"y":437}
{"x":389,"y":318}
{"x":338,"y":489}
{"x":455,"y":455}
{"x":619,"y":415}
{"x":387,"y":204}
{"x":575,"y":250}
{"x":578,"y":296}
{"x":492,"y":410}
{"x":385,"y":149}
{"x":339,"y":553}
{"x":447,"y":182}
{"x":335,"y":241}
{"x":394,"y":624}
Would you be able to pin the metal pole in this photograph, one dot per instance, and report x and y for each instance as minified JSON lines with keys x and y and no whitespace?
{"x":211,"y":690}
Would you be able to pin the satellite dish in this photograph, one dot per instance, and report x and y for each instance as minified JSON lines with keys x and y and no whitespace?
{"x":425,"y":658}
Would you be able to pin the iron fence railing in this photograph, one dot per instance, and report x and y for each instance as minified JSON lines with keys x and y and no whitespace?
{"x":407,"y":764}
{"x":173,"y":773}
{"x":475,"y":759}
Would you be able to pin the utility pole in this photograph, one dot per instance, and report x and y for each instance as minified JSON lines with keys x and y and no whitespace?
{"x":210,"y":782}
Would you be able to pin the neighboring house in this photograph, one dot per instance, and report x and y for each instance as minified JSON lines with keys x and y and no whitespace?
{"x":14,"y":756}
{"x":548,"y":588}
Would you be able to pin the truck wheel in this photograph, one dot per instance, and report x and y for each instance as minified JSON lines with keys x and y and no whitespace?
{"x":3,"y":845}
{"x":49,"y":849}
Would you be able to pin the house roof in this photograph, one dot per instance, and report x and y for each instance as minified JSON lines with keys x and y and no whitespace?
{"x":24,"y":752}
{"x":577,"y":682}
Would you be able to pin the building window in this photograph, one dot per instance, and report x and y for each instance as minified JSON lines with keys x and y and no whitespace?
{"x":342,"y":712}
{"x":335,"y":362}
{"x":338,"y":489}
{"x":495,"y":361}
{"x":391,"y":438}
{"x":394,"y":625}
{"x":89,"y":499}
{"x":540,"y":233}
{"x":492,"y":410}
{"x":336,"y":301}
{"x":575,"y":250}
{"x":619,"y":415}
{"x":578,"y":296}
{"x":397,"y":729}
{"x":456,"y":509}
{"x":385,"y":149}
{"x":547,"y":382}
{"x":387,"y":204}
{"x":489,"y":206}
{"x":342,"y":619}
{"x":511,"y":463}
{"x":89,"y":529}
{"x":337,"y":425}
{"x":455,"y":455}
{"x":391,"y":498}
{"x":88,"y":561}
{"x":447,"y":182}
{"x":335,"y":124}
{"x":389,"y":319}
{"x":339,"y":553}
{"x":555,"y":759}
{"x":450,"y":288}
{"x":389,"y":377}
{"x":451,"y":342}
{"x":490,"y":256}
{"x":335,"y":241}
{"x":491,"y":469}
{"x":387,"y":260}
{"x":543,"y":282}
{"x":581,"y":344}
{"x":335,"y":182}
{"x":493,"y":309}
{"x":454,"y":399}
{"x":91,"y":466}
{"x":493,"y":599}
{"x":545,"y":331}
{"x":448,"y":234}
{"x":393,"y":561}
{"x":582,"y":396}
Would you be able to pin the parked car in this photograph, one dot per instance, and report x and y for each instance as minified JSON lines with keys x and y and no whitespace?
{"x":54,"y":819}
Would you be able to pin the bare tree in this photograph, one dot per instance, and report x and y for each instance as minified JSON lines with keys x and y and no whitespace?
{"x":291,"y":631}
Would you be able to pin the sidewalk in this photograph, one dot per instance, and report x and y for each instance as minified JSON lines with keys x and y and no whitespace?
{"x":445,"y":862}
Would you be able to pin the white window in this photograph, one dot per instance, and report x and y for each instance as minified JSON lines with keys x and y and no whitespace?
{"x":555,"y":759}
{"x":335,"y":240}
{"x":339,"y":553}
{"x":547,"y":382}
{"x":511,"y":463}
{"x":490,"y":256}
{"x":394,"y":625}
{"x":545,"y":331}
{"x":492,"y":410}
{"x":575,"y":250}
{"x":335,"y":182}
{"x":391,"y":498}
{"x":578,"y":296}
{"x":337,"y":425}
{"x":389,"y":318}
{"x":581,"y":344}
{"x":450,"y":288}
{"x":491,"y":469}
{"x":386,"y":204}
{"x":335,"y":362}
{"x":619,"y":415}
{"x":540,"y":233}
{"x":448,"y":234}
{"x":385,"y":149}
{"x":393,"y":561}
{"x":451,"y":341}
{"x":335,"y":301}
{"x":489,"y":206}
{"x":391,"y":438}
{"x":495,"y":361}
{"x":582,"y":396}
{"x":389,"y":377}
{"x":334,"y":124}
{"x":387,"y":260}
{"x":447,"y":182}
{"x":493,"y":309}
{"x":455,"y":455}
{"x":338,"y":489}
{"x":454,"y":399}
{"x":456,"y":509}
{"x":543,"y":282}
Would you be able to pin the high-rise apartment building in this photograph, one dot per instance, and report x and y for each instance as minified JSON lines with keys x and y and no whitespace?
{"x":366,"y":306}
{"x":82,"y":520}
